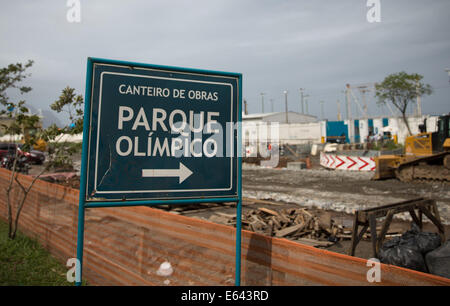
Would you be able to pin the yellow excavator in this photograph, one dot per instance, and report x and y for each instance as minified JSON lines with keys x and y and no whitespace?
{"x":426,"y":156}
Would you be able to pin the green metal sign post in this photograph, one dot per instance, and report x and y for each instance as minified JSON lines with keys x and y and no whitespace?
{"x":157,"y":135}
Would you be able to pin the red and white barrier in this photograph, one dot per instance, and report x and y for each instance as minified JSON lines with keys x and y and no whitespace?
{"x":344,"y":162}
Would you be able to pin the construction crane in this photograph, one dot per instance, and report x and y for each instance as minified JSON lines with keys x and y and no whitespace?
{"x":363,"y":89}
{"x":349,"y":94}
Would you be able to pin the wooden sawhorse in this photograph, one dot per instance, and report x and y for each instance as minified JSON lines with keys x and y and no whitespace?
{"x":368,"y":218}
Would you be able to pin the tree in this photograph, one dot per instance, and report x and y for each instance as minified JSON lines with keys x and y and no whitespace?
{"x":21,"y":119}
{"x":72,"y":104}
{"x":10,"y":77}
{"x":401,"y":89}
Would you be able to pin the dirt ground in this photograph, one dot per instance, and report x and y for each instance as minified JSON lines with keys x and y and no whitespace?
{"x":319,"y":190}
{"x":338,"y":190}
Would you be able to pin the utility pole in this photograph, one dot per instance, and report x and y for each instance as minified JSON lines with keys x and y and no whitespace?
{"x":448,"y":71}
{"x":339,"y":110}
{"x":286,"y":105}
{"x":347,"y":97}
{"x":321,"y":110}
{"x":349,"y":115}
{"x":306,"y":102}
{"x":363,"y":89}
{"x":301,"y":101}
{"x":262,"y":102}
{"x":419,"y":106}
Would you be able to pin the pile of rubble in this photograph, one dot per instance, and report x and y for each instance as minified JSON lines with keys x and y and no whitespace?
{"x":293,"y":223}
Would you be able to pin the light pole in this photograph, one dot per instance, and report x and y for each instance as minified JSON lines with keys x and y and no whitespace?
{"x":305,"y":101}
{"x":338,"y":110}
{"x":286,"y":105}
{"x":301,"y":100}
{"x":262,"y":101}
{"x":448,"y":71}
{"x":321,"y":110}
{"x":271,"y":105}
{"x":350,"y":125}
{"x":347,"y":97}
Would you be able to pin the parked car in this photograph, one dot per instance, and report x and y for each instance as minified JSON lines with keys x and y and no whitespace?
{"x":10,"y":148}
{"x":34,"y":156}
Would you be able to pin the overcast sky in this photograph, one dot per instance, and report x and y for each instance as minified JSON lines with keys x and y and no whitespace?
{"x":277,"y":45}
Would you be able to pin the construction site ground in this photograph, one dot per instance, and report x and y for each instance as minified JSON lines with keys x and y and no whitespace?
{"x":335,"y":193}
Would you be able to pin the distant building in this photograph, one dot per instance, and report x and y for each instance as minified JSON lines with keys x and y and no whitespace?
{"x":8,"y":121}
{"x":5,"y":121}
{"x":280,"y":117}
{"x":362,"y":129}
{"x":261,"y":130}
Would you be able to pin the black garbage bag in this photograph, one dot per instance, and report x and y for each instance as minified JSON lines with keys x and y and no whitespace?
{"x":403,"y":253}
{"x":438,"y":261}
{"x":424,"y":241}
{"x":408,"y":250}
{"x":428,"y":242}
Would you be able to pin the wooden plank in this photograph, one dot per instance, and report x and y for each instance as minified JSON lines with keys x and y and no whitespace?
{"x":436,"y":222}
{"x":268,"y":211}
{"x":384,"y":228}
{"x":415,"y":218}
{"x":275,"y":222}
{"x":299,"y":219}
{"x":389,"y":206}
{"x":218,"y":219}
{"x":231,"y":216}
{"x":271,"y":226}
{"x":289,"y":230}
{"x":262,"y":201}
{"x":381,"y":211}
{"x":292,"y":151}
{"x":351,"y":252}
{"x":314,"y":242}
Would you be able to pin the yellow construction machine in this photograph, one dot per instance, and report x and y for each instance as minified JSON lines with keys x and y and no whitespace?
{"x":426,"y":156}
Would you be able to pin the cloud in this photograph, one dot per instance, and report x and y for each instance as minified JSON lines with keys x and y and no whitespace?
{"x":277,"y":45}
